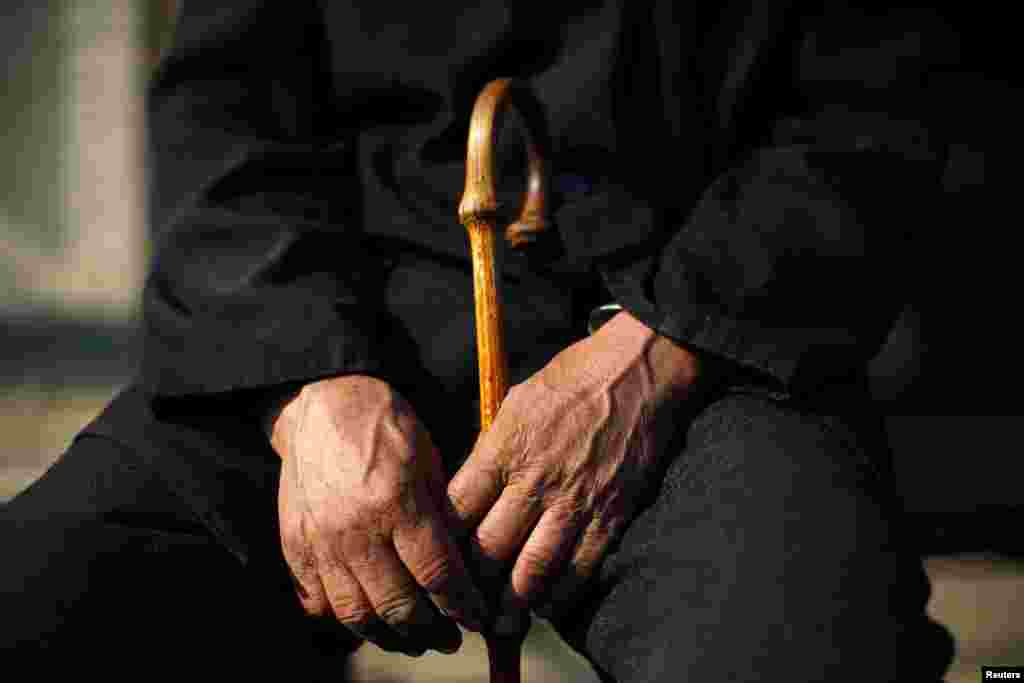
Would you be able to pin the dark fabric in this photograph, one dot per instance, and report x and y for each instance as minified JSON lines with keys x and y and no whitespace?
{"x":773,"y":550}
{"x":743,"y":175}
{"x":107,"y":572}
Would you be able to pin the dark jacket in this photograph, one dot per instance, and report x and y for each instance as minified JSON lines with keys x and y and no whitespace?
{"x":741,"y":176}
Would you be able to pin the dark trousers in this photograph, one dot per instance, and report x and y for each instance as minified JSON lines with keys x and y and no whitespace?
{"x":107,"y":570}
{"x":772,"y":551}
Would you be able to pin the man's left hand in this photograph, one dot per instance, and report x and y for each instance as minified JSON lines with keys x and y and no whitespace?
{"x":557,"y":477}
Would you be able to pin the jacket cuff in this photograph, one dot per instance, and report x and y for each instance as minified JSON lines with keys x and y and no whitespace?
{"x":744,"y":352}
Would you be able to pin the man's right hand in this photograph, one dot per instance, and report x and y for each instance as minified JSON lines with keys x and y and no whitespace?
{"x":361,"y":508}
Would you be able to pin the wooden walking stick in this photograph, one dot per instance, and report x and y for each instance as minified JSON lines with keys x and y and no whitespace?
{"x":478,"y":213}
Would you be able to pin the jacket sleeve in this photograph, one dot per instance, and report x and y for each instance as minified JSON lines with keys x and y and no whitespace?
{"x":260,"y":269}
{"x":793,"y":262}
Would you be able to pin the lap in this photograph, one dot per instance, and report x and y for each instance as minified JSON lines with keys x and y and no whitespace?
{"x":109,"y":561}
{"x":771,"y":552}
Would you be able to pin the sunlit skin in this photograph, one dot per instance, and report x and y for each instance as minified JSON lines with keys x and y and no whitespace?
{"x":556,"y":478}
{"x":360,"y":506}
{"x":371,"y":539}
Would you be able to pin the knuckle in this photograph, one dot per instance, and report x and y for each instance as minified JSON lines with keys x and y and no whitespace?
{"x":434,"y":574}
{"x":567,"y":506}
{"x":351,"y":612}
{"x":606,"y":530}
{"x":483,"y":464}
{"x":305,"y":567}
{"x":536,"y":488}
{"x":315,"y":607}
{"x":527,"y":478}
{"x":383,"y":503}
{"x":518,"y":447}
{"x":293,"y":536}
{"x":488,"y":542}
{"x":396,"y":610}
{"x":295,"y":548}
{"x":535,"y":564}
{"x":515,"y":392}
{"x":358,"y":547}
{"x":296,"y":552}
{"x":458,"y":500}
{"x":583,"y":568}
{"x":328,"y":525}
{"x":587,"y":560}
{"x":301,"y":559}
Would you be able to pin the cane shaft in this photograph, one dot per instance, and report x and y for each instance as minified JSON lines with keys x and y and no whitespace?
{"x":490,"y":332}
{"x":504,"y":654}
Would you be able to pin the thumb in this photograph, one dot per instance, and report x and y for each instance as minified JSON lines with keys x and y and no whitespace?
{"x":475,"y":487}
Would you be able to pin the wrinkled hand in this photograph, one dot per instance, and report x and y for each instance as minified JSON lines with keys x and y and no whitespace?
{"x":556,"y":478}
{"x":360,"y":504}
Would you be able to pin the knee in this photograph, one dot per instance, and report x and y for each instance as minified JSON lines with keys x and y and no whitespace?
{"x":765,"y":544}
{"x":776,"y":451}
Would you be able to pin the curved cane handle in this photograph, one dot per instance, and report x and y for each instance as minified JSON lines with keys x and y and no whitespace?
{"x":479,"y":201}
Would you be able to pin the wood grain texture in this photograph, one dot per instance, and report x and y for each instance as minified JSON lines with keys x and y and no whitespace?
{"x":490,"y":327}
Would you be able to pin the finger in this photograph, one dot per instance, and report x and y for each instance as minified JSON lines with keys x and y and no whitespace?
{"x":430,"y":554}
{"x":298,"y":555}
{"x":545,"y":552}
{"x":353,"y":610}
{"x":399,"y":602}
{"x":437,"y":482}
{"x":503,"y":531}
{"x":568,"y":589}
{"x":302,"y":568}
{"x":477,"y":484}
{"x":429,"y":549}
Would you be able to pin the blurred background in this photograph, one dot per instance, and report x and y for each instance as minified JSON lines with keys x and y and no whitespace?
{"x":74,"y":254}
{"x":72,"y":227}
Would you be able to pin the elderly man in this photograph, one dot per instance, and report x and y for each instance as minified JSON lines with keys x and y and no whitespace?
{"x":697,"y":491}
